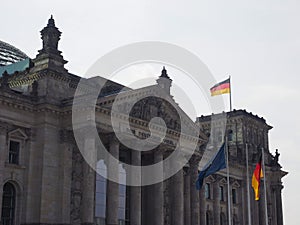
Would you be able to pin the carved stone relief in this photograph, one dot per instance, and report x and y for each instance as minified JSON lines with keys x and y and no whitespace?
{"x":76,"y":187}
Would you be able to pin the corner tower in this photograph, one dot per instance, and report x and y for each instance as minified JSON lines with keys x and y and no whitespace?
{"x":49,"y":56}
{"x":164,"y":81}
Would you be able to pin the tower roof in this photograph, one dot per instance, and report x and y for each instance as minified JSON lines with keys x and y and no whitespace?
{"x":164,"y":73}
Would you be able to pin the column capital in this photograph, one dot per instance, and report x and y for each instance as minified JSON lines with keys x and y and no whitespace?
{"x":186,"y":170}
{"x":113,"y":139}
{"x":3,"y":127}
{"x":194,"y":161}
{"x":278,"y":186}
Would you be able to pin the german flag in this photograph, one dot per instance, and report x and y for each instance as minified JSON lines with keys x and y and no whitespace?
{"x":257,"y":175}
{"x":221,"y":88}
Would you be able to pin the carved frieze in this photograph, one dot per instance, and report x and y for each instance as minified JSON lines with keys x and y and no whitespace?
{"x":76,"y":187}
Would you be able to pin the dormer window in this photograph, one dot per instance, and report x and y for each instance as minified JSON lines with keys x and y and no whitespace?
{"x":14,"y":152}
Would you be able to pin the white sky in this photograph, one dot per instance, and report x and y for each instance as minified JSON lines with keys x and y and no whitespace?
{"x":256,"y":42}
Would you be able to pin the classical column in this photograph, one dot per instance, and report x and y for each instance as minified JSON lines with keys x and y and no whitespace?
{"x":261,"y":205}
{"x":202,"y":202}
{"x":279,"y":216}
{"x":216,"y":203}
{"x":112,"y":193}
{"x":177,"y":198}
{"x":88,"y":193}
{"x":3,"y":150}
{"x":135,"y":192}
{"x":67,"y":146}
{"x":187,"y":197}
{"x":243,"y":200}
{"x":158,"y":195}
{"x":195,"y":210}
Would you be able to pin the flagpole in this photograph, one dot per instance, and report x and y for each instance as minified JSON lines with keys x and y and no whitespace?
{"x":248,"y":186}
{"x":265,"y":187}
{"x":230,"y":94}
{"x":228,"y":183}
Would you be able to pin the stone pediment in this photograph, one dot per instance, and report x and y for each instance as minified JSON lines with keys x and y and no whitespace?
{"x":236,"y":184}
{"x":223,"y":181}
{"x":18,"y":133}
{"x":150,"y":102}
{"x":210,"y":179}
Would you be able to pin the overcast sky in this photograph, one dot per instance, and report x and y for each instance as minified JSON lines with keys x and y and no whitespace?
{"x":256,"y":42}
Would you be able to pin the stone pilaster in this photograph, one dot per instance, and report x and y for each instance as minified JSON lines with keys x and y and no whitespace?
{"x":261,"y":205}
{"x":112,"y":193}
{"x":158,"y":195}
{"x":135,"y":193}
{"x":48,"y":148}
{"x":216,"y":203}
{"x":243,"y":201}
{"x":278,"y":189}
{"x":67,"y":146}
{"x":3,"y":149}
{"x":88,"y":194}
{"x":187,"y":197}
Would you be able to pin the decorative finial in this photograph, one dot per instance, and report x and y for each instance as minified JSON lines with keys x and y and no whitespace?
{"x":50,"y":37}
{"x":5,"y":77}
{"x":164,"y":73}
{"x":51,"y":22}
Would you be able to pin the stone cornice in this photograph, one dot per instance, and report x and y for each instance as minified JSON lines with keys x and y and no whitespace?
{"x":19,"y":79}
{"x":34,"y":107}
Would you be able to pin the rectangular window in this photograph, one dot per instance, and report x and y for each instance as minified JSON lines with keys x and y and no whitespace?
{"x":207,"y":191}
{"x":234,"y":196}
{"x":14,"y":150}
{"x":221,"y":193}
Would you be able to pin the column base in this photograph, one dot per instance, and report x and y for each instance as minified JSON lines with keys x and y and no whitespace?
{"x":46,"y":223}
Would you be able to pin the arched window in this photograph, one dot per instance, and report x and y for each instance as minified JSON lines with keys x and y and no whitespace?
{"x":208,"y":218}
{"x":235,"y":220}
{"x":8,"y":204}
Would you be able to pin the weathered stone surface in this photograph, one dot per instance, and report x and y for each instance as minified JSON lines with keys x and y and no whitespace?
{"x":55,"y":186}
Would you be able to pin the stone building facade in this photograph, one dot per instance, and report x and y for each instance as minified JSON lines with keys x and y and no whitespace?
{"x":44,"y":178}
{"x":244,"y":130}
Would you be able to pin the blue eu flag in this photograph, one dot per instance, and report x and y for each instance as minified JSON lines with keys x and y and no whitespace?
{"x":216,"y":164}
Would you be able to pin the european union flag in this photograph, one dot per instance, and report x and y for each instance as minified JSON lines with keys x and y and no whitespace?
{"x":216,"y":164}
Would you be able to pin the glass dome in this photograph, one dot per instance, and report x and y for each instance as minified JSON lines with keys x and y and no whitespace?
{"x":10,"y":54}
